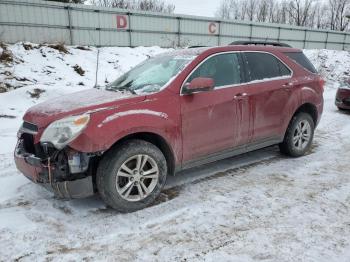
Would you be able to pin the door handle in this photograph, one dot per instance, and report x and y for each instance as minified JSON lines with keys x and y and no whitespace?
{"x":240,"y":96}
{"x":287,"y":87}
{"x":289,"y":84}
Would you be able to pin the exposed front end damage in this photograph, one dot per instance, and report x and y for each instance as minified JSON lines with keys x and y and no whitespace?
{"x":66,"y":172}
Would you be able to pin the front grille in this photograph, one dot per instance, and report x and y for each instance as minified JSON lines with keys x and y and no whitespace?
{"x":30,"y":126}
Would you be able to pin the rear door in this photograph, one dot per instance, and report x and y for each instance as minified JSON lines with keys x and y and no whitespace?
{"x":269,"y":90}
{"x":211,"y":119}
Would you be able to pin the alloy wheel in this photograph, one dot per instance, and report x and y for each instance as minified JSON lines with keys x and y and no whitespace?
{"x":137,"y":177}
{"x":302,"y":135}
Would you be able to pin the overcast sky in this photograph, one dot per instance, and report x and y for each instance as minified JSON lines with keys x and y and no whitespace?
{"x":195,"y":7}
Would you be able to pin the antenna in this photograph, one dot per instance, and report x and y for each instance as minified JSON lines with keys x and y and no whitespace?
{"x":97,"y":62}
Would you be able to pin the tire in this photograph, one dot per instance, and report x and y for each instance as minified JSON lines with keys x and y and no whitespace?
{"x":296,"y":143}
{"x":120,"y":180}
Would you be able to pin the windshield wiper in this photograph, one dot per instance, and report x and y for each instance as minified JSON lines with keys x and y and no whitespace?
{"x":122,"y":88}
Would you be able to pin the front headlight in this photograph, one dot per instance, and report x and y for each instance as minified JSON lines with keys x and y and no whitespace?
{"x":63,"y":131}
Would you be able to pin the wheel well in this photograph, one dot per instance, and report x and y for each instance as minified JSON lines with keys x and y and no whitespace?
{"x":309,"y":109}
{"x":159,"y":142}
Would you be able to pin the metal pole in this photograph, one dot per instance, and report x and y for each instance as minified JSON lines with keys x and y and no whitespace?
{"x":130,"y":40}
{"x":178,"y":31}
{"x":97,"y":64}
{"x":70,"y":24}
{"x":219,"y":34}
{"x":348,"y":17}
{"x":251,"y":32}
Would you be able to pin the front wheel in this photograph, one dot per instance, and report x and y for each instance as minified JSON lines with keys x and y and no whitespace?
{"x":299,"y":135}
{"x":131,"y":176}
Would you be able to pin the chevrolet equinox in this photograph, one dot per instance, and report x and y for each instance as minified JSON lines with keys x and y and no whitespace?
{"x":174,"y":111}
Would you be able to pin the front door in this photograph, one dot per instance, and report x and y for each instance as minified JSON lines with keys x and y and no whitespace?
{"x":212,"y":121}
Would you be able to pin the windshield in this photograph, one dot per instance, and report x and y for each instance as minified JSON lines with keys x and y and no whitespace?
{"x":152,"y":75}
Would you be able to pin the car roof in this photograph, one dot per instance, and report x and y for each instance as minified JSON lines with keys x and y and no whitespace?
{"x":215,"y":49}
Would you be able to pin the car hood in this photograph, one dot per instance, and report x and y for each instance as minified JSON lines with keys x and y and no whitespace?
{"x":91,"y":100}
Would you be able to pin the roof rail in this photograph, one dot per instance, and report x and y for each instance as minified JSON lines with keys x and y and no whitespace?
{"x":196,"y":46}
{"x":260,"y":43}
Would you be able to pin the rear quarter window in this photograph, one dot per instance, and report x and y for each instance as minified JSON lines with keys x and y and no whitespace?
{"x":302,"y":60}
{"x":264,"y":66}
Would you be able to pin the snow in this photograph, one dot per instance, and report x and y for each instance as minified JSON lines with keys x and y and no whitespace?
{"x":81,"y":99}
{"x":258,"y":206}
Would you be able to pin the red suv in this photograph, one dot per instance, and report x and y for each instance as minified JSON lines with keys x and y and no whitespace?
{"x":342,"y":99}
{"x":172,"y":112}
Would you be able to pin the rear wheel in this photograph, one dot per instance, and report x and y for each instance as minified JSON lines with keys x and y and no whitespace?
{"x":131,"y":176}
{"x":299,"y":135}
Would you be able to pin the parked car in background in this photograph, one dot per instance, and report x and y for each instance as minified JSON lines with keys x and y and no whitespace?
{"x":172,"y":112}
{"x":342,"y":99}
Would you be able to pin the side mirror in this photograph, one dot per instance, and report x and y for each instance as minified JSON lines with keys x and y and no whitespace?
{"x":199,"y":84}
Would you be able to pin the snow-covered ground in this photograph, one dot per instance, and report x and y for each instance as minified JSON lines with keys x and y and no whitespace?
{"x":259,"y":206}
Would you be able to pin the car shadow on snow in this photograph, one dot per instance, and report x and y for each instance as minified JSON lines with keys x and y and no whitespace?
{"x":210,"y":171}
{"x":175,"y":184}
{"x":343,"y":111}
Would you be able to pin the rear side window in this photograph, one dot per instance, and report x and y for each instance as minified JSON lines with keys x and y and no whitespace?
{"x":263,"y":66}
{"x":302,"y":60}
{"x":224,"y":69}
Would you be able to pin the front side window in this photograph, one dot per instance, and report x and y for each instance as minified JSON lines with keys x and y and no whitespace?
{"x":224,"y":69}
{"x":264,"y":66}
{"x":152,"y":75}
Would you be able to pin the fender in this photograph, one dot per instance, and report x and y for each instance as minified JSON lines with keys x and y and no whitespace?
{"x":302,"y":96}
{"x":108,"y":127}
{"x":309,"y":95}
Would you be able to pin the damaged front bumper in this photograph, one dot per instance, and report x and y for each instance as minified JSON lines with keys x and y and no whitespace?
{"x":44,"y":173}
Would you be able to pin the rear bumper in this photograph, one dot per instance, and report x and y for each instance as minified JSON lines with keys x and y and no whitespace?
{"x":36,"y":171}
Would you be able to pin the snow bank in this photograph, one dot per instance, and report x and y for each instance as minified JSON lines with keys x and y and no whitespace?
{"x":44,"y":65}
{"x":332,"y":65}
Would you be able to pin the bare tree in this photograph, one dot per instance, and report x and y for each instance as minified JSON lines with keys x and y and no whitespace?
{"x":262,"y":11}
{"x":69,"y":1}
{"x":338,"y":10}
{"x":299,"y":11}
{"x":143,"y":5}
{"x":309,"y":13}
{"x":251,"y":9}
{"x":224,"y":10}
{"x":321,"y":20}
